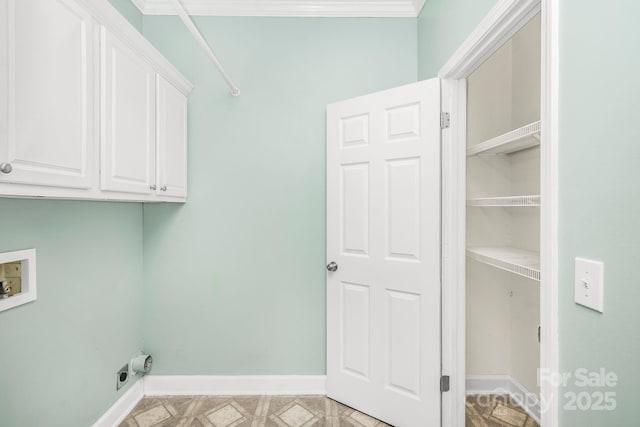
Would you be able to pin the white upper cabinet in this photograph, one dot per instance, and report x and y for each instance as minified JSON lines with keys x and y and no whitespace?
{"x":171,"y":134}
{"x":89,"y":109}
{"x":47,"y":138}
{"x":127,"y":118}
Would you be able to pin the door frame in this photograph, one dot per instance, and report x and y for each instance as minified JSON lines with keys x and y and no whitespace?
{"x":500,"y":24}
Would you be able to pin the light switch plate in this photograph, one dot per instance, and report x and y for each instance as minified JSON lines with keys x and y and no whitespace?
{"x":589,"y":284}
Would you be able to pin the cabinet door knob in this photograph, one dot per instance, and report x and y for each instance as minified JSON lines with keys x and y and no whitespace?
{"x":163,"y":188}
{"x":6,"y":167}
{"x":152,"y":187}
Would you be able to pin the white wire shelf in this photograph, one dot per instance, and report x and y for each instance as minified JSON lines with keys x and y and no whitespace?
{"x":519,"y":139}
{"x":521,"y":201}
{"x":517,"y":261}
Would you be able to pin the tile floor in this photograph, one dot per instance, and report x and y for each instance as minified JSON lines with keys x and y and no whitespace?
{"x":296,"y":411}
{"x":246,"y":411}
{"x":496,"y":411}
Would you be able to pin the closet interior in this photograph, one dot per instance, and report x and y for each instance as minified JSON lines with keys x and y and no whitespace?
{"x":503,"y":216}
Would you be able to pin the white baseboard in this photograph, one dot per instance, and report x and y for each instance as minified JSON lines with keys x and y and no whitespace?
{"x":125,"y":404}
{"x":173,"y":385}
{"x":505,"y":384}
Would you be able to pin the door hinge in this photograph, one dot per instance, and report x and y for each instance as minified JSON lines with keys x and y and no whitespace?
{"x":445,"y":120}
{"x":444,"y":383}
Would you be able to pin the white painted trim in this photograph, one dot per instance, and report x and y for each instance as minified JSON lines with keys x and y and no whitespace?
{"x":549,"y":350}
{"x":318,"y":8}
{"x":29,"y":291}
{"x":122,"y":407}
{"x":418,"y":5}
{"x":502,"y":22}
{"x":505,"y":384}
{"x":454,"y":101}
{"x":108,"y":16}
{"x":177,"y":385}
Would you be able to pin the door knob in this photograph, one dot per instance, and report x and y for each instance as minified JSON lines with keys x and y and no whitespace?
{"x":6,"y":167}
{"x":332,"y":266}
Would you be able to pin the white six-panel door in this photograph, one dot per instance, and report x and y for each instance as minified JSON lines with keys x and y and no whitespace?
{"x":46,"y":126}
{"x":383,"y":232}
{"x":128,"y":127}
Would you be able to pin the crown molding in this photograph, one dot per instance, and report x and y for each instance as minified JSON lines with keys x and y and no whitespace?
{"x":418,"y":5}
{"x":291,"y":8}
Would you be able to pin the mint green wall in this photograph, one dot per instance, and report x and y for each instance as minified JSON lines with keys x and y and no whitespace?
{"x":599,"y":182}
{"x":129,"y":11}
{"x":235,"y":278}
{"x":442,"y":26}
{"x":60,"y":353}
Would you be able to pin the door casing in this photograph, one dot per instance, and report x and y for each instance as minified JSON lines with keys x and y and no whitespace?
{"x":500,"y":24}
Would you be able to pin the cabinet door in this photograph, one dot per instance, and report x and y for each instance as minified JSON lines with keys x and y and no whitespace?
{"x":172,"y":140}
{"x":127,"y":119}
{"x":47,"y":50}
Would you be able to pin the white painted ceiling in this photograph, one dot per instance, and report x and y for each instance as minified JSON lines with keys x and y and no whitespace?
{"x":324,"y":8}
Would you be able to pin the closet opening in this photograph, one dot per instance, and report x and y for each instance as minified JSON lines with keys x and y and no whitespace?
{"x":502,"y":267}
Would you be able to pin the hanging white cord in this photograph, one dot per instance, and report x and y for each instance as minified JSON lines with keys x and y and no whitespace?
{"x":188,"y":22}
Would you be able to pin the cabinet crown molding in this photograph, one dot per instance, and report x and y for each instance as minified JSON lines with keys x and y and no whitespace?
{"x":108,"y":16}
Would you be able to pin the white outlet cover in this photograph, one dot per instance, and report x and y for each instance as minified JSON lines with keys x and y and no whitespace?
{"x":589,"y":284}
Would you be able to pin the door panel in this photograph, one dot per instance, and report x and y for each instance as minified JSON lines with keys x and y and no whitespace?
{"x":403,"y":337}
{"x":49,"y":55}
{"x":402,"y":123}
{"x":355,"y":209}
{"x":383,"y":231}
{"x":354,"y":131}
{"x":128,"y":119}
{"x":403,"y":209}
{"x":355,"y":323}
